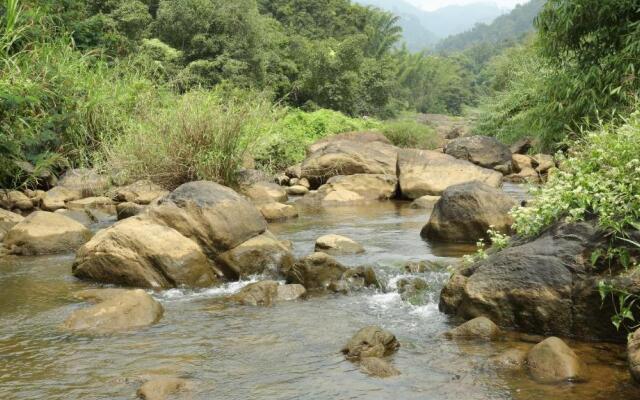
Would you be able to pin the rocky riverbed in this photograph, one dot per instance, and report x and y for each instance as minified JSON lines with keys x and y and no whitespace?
{"x":254,"y":292}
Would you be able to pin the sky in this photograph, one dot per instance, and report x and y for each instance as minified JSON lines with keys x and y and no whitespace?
{"x":431,"y":5}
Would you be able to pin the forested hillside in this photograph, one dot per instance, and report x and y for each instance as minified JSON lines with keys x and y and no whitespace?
{"x":505,"y":30}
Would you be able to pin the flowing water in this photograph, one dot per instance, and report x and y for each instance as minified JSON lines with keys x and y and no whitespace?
{"x":289,"y":351}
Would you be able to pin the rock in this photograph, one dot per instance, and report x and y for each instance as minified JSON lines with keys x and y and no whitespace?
{"x":140,"y":192}
{"x":378,"y":367}
{"x":117,"y":312}
{"x":465,"y":212}
{"x":8,"y":220}
{"x":262,"y":293}
{"x":86,"y":182}
{"x":138,"y":252}
{"x":315,"y":272}
{"x":215,"y":216}
{"x":425,"y":202}
{"x":291,"y":292}
{"x":297,"y":190}
{"x":352,"y":189}
{"x":552,"y":361}
{"x":336,"y":244}
{"x":522,"y":146}
{"x":161,"y":388}
{"x":265,"y":192}
{"x":282,"y":179}
{"x":127,"y":210}
{"x":260,"y":254}
{"x":546,"y":285}
{"x":293,"y":181}
{"x":412,"y":290}
{"x":371,"y":341}
{"x":512,"y":359}
{"x":294,"y":171}
{"x":278,"y":212}
{"x":358,"y":278}
{"x":45,"y":233}
{"x":90,"y":202}
{"x":522,"y":162}
{"x":57,"y":198}
{"x":81,"y":216}
{"x":248,"y":176}
{"x":424,"y":172}
{"x":347,"y":157}
{"x":18,"y":200}
{"x":364,"y":138}
{"x":633,"y":354}
{"x":484,"y":151}
{"x":545,"y":162}
{"x":478,"y":328}
{"x":304,"y":182}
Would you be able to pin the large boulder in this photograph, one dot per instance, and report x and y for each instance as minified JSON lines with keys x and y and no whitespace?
{"x":633,"y":354}
{"x":371,"y":341}
{"x":117,"y":310}
{"x":552,"y":361}
{"x":424,"y":172}
{"x":141,"y":253}
{"x":8,"y":220}
{"x":15,"y":200}
{"x":349,"y":157}
{"x":350,"y":189}
{"x":139,"y":192}
{"x":545,"y":285}
{"x":336,"y":245}
{"x":484,"y":151}
{"x":46,"y":233}
{"x":198,"y":232}
{"x":465,"y":212}
{"x":363,"y":138}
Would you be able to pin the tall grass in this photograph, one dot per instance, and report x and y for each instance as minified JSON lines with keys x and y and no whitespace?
{"x":200,"y":135}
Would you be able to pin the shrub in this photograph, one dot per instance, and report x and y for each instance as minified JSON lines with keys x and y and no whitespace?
{"x":599,"y":178}
{"x":200,"y":135}
{"x":285,"y":143}
{"x":410,"y":133}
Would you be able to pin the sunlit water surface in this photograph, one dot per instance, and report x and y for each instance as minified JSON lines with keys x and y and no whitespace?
{"x":289,"y":351}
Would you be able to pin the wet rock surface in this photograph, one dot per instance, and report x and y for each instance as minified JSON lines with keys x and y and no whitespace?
{"x":336,"y":244}
{"x":478,"y":328}
{"x":552,"y":361}
{"x":371,"y":341}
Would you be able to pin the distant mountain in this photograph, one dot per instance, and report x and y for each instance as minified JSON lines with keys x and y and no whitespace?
{"x":507,"y":28}
{"x":422,"y":29}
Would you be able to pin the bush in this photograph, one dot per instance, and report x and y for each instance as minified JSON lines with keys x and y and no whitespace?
{"x":410,"y":133}
{"x":285,"y":143}
{"x":200,"y":135}
{"x":600,"y":178}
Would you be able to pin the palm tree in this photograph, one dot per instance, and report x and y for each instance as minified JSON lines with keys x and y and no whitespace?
{"x":383,"y":32}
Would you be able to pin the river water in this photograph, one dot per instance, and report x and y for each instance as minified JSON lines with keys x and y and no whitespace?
{"x":289,"y":351}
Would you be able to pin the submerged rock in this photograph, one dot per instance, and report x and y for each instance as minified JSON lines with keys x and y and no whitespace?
{"x":424,"y":172}
{"x":45,"y":233}
{"x":552,"y":361}
{"x":512,"y":359}
{"x":116,"y":311}
{"x":465,"y":212}
{"x":378,"y":367}
{"x":484,"y":151}
{"x":477,"y":328}
{"x":412,"y":289}
{"x":371,"y":341}
{"x":336,"y":244}
{"x":161,"y":388}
